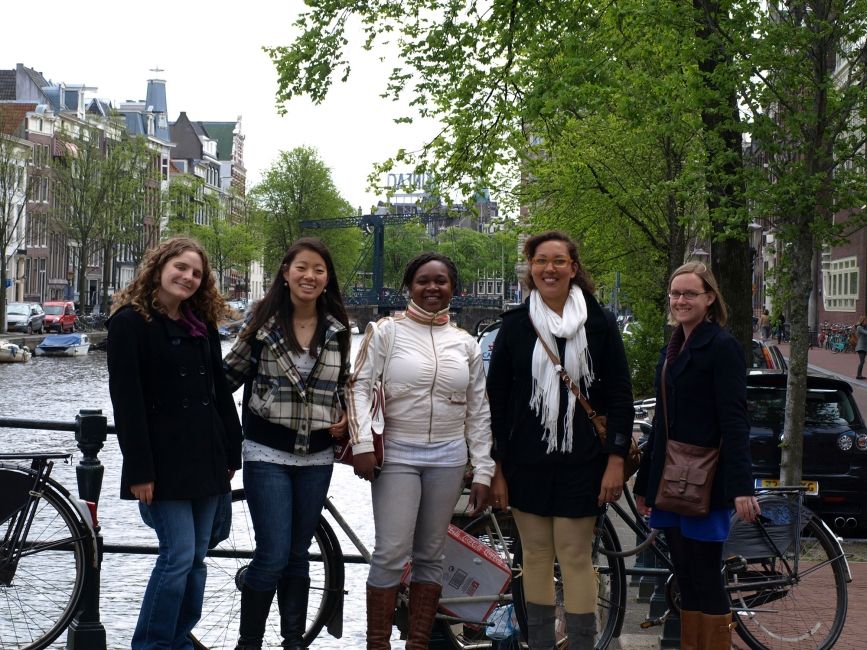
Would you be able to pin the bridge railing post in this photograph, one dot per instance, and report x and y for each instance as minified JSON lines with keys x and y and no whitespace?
{"x":86,"y":632}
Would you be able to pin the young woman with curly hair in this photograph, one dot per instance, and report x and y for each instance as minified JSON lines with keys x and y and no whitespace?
{"x":176,"y":424}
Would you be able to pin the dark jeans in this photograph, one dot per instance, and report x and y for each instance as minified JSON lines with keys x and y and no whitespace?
{"x":285,"y":503}
{"x":861,"y":355}
{"x":172,"y":603}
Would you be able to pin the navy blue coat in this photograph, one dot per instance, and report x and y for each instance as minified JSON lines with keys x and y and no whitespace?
{"x":707,"y":403}
{"x":176,"y":421}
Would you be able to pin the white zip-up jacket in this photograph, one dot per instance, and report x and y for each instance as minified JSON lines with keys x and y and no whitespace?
{"x":434,"y":384}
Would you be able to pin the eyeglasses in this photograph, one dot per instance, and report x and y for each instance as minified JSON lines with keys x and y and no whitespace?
{"x":543,"y":262}
{"x":689,"y":295}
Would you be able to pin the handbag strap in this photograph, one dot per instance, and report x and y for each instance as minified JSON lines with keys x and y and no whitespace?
{"x":565,"y":376}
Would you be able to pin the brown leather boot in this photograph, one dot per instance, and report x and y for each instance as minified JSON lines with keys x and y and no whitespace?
{"x":424,"y":597}
{"x":690,"y":629}
{"x":716,"y":631}
{"x":380,"y":616}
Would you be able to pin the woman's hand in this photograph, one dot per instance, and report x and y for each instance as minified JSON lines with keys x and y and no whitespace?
{"x":339,"y":428}
{"x":478,"y":498}
{"x":364,"y":465}
{"x":748,"y":508}
{"x":641,"y":505}
{"x":144,"y":492}
{"x":498,"y":495}
{"x":612,"y":480}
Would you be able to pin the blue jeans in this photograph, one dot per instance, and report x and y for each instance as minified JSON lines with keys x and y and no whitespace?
{"x":285,"y":503}
{"x":172,"y":603}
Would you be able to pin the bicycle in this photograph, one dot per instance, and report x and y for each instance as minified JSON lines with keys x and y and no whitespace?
{"x":47,"y":547}
{"x":786,"y":575}
{"x":227,"y":563}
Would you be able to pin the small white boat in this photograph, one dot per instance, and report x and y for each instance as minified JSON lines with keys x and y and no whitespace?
{"x":63,"y":345}
{"x":11,"y":353}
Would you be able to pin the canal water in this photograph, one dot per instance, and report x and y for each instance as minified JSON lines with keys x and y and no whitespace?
{"x":55,"y":389}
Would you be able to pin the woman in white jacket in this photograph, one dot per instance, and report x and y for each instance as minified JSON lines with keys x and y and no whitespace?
{"x":435,"y":409}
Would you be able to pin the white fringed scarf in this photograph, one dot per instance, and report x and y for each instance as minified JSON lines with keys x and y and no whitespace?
{"x":545,"y":399}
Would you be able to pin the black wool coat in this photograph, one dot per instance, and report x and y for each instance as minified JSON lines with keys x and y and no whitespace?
{"x":176,"y":421}
{"x":707,"y":403}
{"x":517,"y":429}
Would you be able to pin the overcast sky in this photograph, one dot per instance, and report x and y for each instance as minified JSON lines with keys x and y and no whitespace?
{"x":215,"y":70}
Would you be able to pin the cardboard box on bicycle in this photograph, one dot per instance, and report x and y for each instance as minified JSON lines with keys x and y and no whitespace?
{"x":470,"y":568}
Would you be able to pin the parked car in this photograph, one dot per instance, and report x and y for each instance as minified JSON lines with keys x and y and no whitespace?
{"x":25,"y":317}
{"x":835,"y":445}
{"x":767,"y":357}
{"x":60,"y":316}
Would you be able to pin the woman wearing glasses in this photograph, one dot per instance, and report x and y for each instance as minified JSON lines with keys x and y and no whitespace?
{"x":706,"y":390}
{"x":552,"y":469}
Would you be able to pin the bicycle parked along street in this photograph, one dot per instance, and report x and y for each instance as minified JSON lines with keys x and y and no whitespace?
{"x":48,"y":545}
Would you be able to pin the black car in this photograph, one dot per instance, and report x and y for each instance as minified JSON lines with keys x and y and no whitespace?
{"x":835,"y":445}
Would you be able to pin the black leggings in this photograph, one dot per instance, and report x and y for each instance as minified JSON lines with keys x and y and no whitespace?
{"x":698,"y":568}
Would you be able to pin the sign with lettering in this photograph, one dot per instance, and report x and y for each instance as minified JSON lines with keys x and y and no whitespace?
{"x":409,"y":180}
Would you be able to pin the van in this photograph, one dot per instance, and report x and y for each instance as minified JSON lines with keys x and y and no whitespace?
{"x":60,"y":316}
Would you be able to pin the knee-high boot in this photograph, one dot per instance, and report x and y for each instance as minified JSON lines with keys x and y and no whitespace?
{"x":581,"y":629}
{"x":690,"y":629}
{"x":540,"y":626}
{"x":716,"y":631}
{"x":292,"y":592}
{"x":255,"y":606}
{"x":380,"y":616}
{"x":424,"y":597}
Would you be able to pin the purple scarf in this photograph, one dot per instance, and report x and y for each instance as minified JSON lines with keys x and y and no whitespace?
{"x":190,"y":322}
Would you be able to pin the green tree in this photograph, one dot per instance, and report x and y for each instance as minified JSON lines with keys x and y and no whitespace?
{"x":132,"y":178}
{"x":15,"y":190}
{"x":298,"y":187}
{"x":81,"y":187}
{"x":803,"y":84}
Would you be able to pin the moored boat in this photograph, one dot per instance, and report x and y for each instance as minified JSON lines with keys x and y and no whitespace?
{"x":63,"y":345}
{"x":12,"y":353}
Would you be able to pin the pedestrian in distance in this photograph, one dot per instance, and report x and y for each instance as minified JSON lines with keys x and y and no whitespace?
{"x":177,"y":426}
{"x":552,"y":469}
{"x":765,"y":325}
{"x":706,"y":390}
{"x":435,"y":410}
{"x":861,"y":345}
{"x":292,"y":356}
{"x":781,"y":328}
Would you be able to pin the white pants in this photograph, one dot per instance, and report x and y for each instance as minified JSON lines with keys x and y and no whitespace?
{"x":412,"y":508}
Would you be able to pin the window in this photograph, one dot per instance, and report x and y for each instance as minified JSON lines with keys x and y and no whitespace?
{"x":840,"y":279}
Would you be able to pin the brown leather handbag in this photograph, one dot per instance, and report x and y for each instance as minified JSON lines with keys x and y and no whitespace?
{"x":599,"y":421}
{"x":688,"y":472}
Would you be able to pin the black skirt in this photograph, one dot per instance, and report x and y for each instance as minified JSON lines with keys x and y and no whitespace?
{"x":556,"y":489}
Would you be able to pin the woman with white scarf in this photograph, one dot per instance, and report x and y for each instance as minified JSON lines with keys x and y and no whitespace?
{"x":552,"y":469}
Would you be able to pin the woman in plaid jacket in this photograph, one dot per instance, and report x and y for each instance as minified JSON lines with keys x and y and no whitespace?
{"x":293,"y":356}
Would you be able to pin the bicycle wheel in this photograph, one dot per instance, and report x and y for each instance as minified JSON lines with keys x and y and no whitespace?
{"x":40,"y":595}
{"x":777,"y":608}
{"x":221,"y":610}
{"x":472,"y":637}
{"x":610,"y":584}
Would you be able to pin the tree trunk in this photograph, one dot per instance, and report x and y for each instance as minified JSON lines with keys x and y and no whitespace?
{"x":107,"y":272}
{"x":800,"y":279}
{"x":730,"y":252}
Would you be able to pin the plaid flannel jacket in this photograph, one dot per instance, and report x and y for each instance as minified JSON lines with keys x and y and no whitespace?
{"x":278,"y":393}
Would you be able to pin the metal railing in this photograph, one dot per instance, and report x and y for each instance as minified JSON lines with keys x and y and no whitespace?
{"x":86,"y":631}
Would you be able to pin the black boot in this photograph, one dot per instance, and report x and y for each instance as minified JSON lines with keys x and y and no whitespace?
{"x":255,"y":606}
{"x":292,"y":594}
